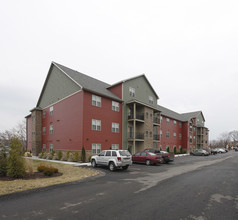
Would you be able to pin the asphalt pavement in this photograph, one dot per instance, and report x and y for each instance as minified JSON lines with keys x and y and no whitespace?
{"x":191,"y":187}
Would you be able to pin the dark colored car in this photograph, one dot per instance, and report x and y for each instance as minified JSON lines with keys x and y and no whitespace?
{"x":146,"y":157}
{"x":166,"y":157}
{"x":199,"y":152}
{"x":214,"y":151}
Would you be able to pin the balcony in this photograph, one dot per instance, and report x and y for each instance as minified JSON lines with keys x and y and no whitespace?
{"x":156,"y":121}
{"x":138,"y":117}
{"x":156,"y":137}
{"x":138,"y":135}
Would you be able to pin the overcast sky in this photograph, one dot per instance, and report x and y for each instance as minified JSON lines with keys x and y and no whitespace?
{"x":187,"y":49}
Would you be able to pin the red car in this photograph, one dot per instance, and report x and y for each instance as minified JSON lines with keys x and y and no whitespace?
{"x":146,"y":157}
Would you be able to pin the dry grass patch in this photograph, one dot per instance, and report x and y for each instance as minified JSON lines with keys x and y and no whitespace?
{"x":70,"y":174}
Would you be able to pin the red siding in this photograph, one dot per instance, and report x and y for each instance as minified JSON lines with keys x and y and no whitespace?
{"x":171,"y":128}
{"x":72,"y":124}
{"x":105,"y":137}
{"x":117,"y":90}
{"x":67,"y":121}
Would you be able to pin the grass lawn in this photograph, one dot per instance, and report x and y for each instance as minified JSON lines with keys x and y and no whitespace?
{"x":70,"y":174}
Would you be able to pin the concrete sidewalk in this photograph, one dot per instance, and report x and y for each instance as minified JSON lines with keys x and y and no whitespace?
{"x":77,"y":164}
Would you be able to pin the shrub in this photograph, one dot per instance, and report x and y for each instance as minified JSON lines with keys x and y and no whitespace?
{"x":27,"y":154}
{"x":47,"y":170}
{"x":55,"y":157}
{"x":76,"y":156}
{"x":70,"y":157}
{"x":175,"y":150}
{"x":15,"y":163}
{"x":83,"y":155}
{"x":89,"y":158}
{"x":41,"y":154}
{"x":44,"y":155}
{"x":64,"y":157}
{"x":49,"y":156}
{"x":3,"y":162}
{"x":59,"y":155}
{"x":68,"y":153}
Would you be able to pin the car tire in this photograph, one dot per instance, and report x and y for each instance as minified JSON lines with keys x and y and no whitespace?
{"x":147,"y":162}
{"x":162,"y":160}
{"x":203,"y":154}
{"x":125,"y":167}
{"x":94,"y":164}
{"x":111,"y":166}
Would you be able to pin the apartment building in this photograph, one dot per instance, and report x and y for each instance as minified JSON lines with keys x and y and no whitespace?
{"x":75,"y":110}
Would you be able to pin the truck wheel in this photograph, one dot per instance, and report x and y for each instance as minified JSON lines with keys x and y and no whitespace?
{"x":111,"y":166}
{"x":147,"y":162}
{"x":94,"y":164}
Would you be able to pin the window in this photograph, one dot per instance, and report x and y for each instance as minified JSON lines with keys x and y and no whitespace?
{"x":151,"y":116}
{"x":175,"y":122}
{"x":44,"y":114}
{"x":151,"y":100}
{"x":161,"y":133}
{"x":150,"y":133}
{"x":44,"y":148}
{"x":161,"y":118}
{"x":115,"y":106}
{"x":108,"y":153}
{"x":191,"y":139}
{"x":167,"y":120}
{"x":51,"y":148}
{"x":132,"y":92}
{"x":174,"y":135}
{"x":114,"y":153}
{"x":180,"y":136}
{"x":51,"y":110}
{"x":96,"y":125}
{"x":44,"y":130}
{"x":147,"y":115}
{"x":115,"y":147}
{"x":146,"y":133}
{"x":115,"y":127}
{"x":180,"y":124}
{"x":51,"y":129}
{"x":167,"y":134}
{"x":96,"y":100}
{"x":96,"y":148}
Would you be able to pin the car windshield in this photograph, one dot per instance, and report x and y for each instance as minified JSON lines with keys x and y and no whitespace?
{"x":151,"y":153}
{"x":124,"y":153}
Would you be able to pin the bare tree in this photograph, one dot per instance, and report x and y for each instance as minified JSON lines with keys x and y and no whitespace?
{"x":234,"y":136}
{"x":224,"y":139}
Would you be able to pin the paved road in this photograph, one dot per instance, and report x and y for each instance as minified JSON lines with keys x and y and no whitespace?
{"x":190,"y":188}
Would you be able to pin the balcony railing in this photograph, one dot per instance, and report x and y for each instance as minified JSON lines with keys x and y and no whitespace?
{"x":156,"y":120}
{"x":138,"y":116}
{"x":138,"y":135}
{"x":156,"y":137}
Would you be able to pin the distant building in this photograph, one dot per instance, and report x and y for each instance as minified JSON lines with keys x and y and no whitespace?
{"x":75,"y":110}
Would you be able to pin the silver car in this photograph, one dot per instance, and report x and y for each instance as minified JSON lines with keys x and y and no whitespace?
{"x":114,"y":159}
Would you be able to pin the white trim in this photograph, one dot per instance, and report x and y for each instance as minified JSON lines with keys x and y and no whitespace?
{"x":67,"y":75}
{"x":62,"y":99}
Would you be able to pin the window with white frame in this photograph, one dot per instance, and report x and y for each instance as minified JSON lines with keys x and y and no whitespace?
{"x":96,"y":148}
{"x":180,"y":136}
{"x":96,"y":100}
{"x":132,"y":91}
{"x":167,"y":120}
{"x":44,"y":130}
{"x":174,"y":135}
{"x":180,"y":124}
{"x":115,"y":127}
{"x":167,"y":134}
{"x":161,"y":133}
{"x":96,"y":125}
{"x":44,"y":148}
{"x":51,"y":110}
{"x":115,"y":106}
{"x":175,"y":122}
{"x":51,"y":129}
{"x":44,"y":114}
{"x":151,"y":100}
{"x":51,"y":148}
{"x":115,"y":146}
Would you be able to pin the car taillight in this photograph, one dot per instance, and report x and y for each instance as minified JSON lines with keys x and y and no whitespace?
{"x":119,"y":158}
{"x":169,"y":156}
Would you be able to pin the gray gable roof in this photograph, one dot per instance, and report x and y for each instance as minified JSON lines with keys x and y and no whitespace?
{"x":88,"y":83}
{"x":171,"y":114}
{"x":180,"y":117}
{"x":191,"y":115}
